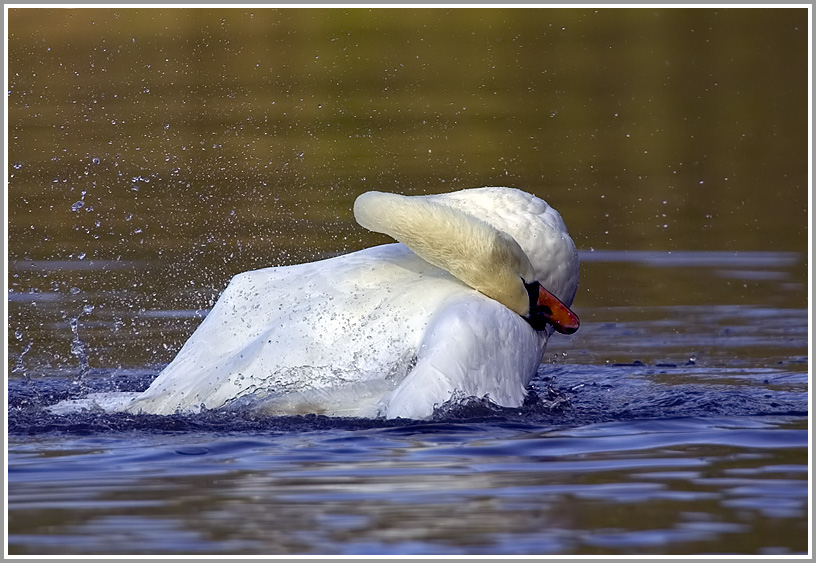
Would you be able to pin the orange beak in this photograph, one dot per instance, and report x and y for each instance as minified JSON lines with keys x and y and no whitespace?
{"x":548,"y":309}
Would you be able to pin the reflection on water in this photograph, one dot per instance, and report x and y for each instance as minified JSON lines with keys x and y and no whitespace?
{"x":236,"y":131}
{"x":154,"y":154}
{"x":679,"y":486}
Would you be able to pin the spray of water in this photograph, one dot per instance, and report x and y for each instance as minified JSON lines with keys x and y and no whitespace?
{"x":78,"y":349}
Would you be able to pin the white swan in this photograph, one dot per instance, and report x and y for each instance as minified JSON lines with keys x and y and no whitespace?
{"x":458,"y":309}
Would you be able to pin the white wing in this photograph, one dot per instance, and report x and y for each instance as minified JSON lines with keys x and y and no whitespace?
{"x":475,"y":347}
{"x":351,"y":319}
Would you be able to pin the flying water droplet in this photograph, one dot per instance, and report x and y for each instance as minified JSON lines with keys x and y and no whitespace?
{"x":19,"y":367}
{"x":78,"y":350}
{"x":81,"y":203}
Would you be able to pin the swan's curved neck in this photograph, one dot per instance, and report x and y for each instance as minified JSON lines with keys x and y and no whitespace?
{"x":473,"y":251}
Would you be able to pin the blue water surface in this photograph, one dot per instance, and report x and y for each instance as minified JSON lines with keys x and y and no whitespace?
{"x":658,"y":429}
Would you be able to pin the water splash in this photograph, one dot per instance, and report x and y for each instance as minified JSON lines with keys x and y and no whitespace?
{"x":78,"y":349}
{"x":19,"y":367}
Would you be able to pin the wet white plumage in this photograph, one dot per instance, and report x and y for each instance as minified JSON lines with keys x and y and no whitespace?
{"x":379,"y":332}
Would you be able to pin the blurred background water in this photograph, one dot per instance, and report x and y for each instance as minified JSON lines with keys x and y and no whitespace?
{"x":155,"y":153}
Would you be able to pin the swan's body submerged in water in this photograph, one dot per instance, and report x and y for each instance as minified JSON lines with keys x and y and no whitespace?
{"x":462,"y":307}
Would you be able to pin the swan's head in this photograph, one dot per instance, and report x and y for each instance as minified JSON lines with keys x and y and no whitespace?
{"x":503,"y":242}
